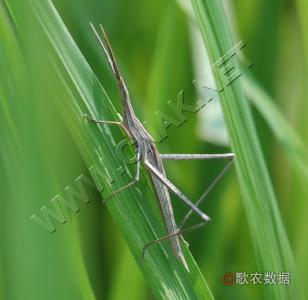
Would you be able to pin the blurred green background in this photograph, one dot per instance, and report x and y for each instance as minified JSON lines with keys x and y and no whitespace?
{"x":157,"y":50}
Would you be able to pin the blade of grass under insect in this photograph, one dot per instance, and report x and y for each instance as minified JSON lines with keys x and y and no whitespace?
{"x":271,"y":244}
{"x":111,"y":254}
{"x":82,"y":93}
{"x":120,"y":288}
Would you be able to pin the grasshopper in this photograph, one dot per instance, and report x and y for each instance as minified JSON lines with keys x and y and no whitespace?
{"x":152,"y":160}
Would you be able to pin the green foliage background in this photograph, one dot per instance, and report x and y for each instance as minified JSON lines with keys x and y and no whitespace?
{"x":45,"y":144}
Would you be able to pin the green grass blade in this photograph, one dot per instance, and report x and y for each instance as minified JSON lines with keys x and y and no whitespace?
{"x":272,"y":248}
{"x":25,"y":247}
{"x":288,"y":138}
{"x":136,"y":215}
{"x":302,"y":241}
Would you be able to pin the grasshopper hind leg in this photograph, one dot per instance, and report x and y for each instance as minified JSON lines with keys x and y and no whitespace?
{"x":167,"y":237}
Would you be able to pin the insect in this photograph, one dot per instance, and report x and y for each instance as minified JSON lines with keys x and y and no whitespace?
{"x":153,"y":162}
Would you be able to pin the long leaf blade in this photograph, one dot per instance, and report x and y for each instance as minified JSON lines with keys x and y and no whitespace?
{"x":270,"y":241}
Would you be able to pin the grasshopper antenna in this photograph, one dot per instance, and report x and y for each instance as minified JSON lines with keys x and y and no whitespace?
{"x":107,"y":50}
{"x":112,"y":62}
